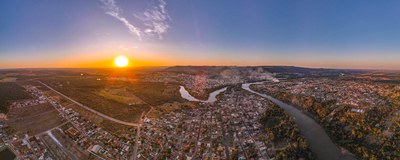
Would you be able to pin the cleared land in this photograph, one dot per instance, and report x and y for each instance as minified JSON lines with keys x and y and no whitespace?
{"x":34,"y":119}
{"x":120,"y":94}
{"x":8,"y":79}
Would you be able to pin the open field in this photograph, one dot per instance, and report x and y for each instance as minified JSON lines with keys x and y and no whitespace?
{"x":124,"y":100}
{"x":120,"y":95}
{"x":96,"y":119}
{"x":11,"y":91}
{"x":170,"y":107}
{"x":156,"y":93}
{"x":87,"y":96}
{"x":8,"y":79}
{"x":34,"y":119}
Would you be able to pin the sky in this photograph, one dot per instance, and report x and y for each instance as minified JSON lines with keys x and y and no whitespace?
{"x":309,"y":33}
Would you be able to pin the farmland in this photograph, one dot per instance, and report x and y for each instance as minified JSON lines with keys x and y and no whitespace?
{"x":33,"y":119}
{"x":124,"y":100}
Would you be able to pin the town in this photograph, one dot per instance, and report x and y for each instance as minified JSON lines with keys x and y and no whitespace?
{"x":361,"y":114}
{"x":75,"y":138}
{"x":231,"y":128}
{"x":199,"y":80}
{"x":46,"y":121}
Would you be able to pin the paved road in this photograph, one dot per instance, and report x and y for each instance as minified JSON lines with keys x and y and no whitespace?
{"x":320,"y":143}
{"x":134,"y":156}
{"x":92,"y":110}
{"x":224,"y":137}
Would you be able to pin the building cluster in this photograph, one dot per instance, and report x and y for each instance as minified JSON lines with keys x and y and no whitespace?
{"x":357,"y":94}
{"x":39,"y":98}
{"x":96,"y":140}
{"x":364,"y":112}
{"x":26,"y":147}
{"x":30,"y":147}
{"x":228,"y":129}
{"x":89,"y":137}
{"x":190,"y":81}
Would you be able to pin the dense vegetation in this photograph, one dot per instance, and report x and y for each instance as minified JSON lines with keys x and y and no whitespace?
{"x":10,"y":91}
{"x":283,"y":132}
{"x":373,"y":134}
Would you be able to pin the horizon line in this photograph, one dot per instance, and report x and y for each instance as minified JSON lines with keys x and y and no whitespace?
{"x":167,"y":66}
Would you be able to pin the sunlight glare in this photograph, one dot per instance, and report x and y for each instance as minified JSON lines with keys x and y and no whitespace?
{"x":121,"y":61}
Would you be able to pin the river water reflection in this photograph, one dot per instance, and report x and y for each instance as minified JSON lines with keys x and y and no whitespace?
{"x":211,"y":98}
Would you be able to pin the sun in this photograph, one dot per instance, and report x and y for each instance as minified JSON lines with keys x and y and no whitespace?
{"x":121,"y":61}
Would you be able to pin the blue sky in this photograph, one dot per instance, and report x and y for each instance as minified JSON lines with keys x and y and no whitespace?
{"x":310,"y":33}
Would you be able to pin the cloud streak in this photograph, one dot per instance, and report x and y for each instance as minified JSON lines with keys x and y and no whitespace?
{"x":155,"y":20}
{"x":113,"y":10}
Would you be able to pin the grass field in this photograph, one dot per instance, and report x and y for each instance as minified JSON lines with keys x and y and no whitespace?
{"x":8,"y":79}
{"x":33,"y":119}
{"x":120,"y":95}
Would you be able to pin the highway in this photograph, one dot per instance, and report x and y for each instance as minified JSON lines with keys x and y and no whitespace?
{"x":92,"y":110}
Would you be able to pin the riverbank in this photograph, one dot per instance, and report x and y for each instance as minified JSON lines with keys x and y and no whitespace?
{"x":319,"y":141}
{"x":204,"y":94}
{"x":359,"y":115}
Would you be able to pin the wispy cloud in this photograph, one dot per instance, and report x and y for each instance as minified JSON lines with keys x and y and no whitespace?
{"x":113,"y":10}
{"x":155,"y":19}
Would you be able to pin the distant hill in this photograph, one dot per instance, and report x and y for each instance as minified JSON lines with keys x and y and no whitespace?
{"x":256,"y":71}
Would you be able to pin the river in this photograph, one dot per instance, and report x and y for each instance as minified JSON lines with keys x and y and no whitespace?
{"x":211,"y":98}
{"x":318,"y":140}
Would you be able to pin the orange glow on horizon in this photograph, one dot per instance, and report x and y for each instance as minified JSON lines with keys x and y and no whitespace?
{"x":105,"y":58}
